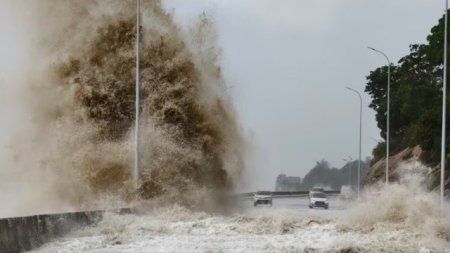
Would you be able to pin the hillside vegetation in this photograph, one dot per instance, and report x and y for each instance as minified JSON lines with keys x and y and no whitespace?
{"x":416,"y":98}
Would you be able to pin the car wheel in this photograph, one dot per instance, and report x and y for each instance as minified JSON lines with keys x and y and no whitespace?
{"x":310,"y":206}
{"x":326,"y":207}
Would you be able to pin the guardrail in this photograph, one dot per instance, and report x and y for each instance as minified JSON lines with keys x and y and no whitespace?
{"x":287,"y":193}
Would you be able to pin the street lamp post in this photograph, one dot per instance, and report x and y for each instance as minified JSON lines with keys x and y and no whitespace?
{"x":136,"y":144}
{"x":349,"y":170}
{"x":444,"y":106}
{"x":360,"y":131}
{"x":388,"y":111}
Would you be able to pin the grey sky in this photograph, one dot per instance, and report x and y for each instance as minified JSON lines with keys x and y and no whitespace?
{"x":12,"y":55}
{"x":289,"y":62}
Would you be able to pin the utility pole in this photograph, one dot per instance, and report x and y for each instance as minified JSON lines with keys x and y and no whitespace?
{"x":138,"y":85}
{"x":388,"y":110}
{"x":350,"y":163}
{"x":360,"y":131}
{"x":444,"y":107}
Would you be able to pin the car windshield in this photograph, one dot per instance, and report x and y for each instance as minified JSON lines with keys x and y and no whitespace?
{"x":319,"y":195}
{"x":263,"y":193}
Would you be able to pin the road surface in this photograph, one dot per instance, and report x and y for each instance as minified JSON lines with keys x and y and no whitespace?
{"x":288,"y":226}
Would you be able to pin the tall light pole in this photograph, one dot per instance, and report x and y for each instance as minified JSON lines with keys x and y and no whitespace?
{"x":136,"y":132}
{"x":444,"y":106}
{"x":360,"y":131}
{"x":388,"y":111}
{"x":349,"y":169}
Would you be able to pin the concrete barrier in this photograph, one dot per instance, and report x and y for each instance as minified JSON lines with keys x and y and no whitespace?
{"x":25,"y":233}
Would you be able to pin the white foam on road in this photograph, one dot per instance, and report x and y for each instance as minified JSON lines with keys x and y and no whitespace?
{"x":288,"y":226}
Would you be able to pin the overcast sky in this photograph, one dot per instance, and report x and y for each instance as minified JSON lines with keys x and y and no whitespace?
{"x":289,"y":62}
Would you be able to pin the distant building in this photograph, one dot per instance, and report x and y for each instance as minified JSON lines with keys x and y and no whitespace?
{"x":285,"y":183}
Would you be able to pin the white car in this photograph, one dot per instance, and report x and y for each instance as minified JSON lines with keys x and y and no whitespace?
{"x":262,"y":197}
{"x":318,"y":199}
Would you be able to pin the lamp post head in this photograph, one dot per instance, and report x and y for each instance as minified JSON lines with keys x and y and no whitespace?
{"x":371,"y":48}
{"x":350,"y":159}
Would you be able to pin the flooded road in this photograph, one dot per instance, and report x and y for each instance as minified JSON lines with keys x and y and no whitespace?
{"x":288,"y":226}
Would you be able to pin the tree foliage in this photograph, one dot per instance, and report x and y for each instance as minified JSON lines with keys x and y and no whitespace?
{"x":416,"y":97}
{"x":322,"y":174}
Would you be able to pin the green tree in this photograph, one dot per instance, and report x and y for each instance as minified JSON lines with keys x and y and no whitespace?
{"x":416,"y":97}
{"x":322,"y":174}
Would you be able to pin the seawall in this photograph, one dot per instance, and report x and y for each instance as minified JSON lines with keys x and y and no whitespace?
{"x":25,"y":233}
